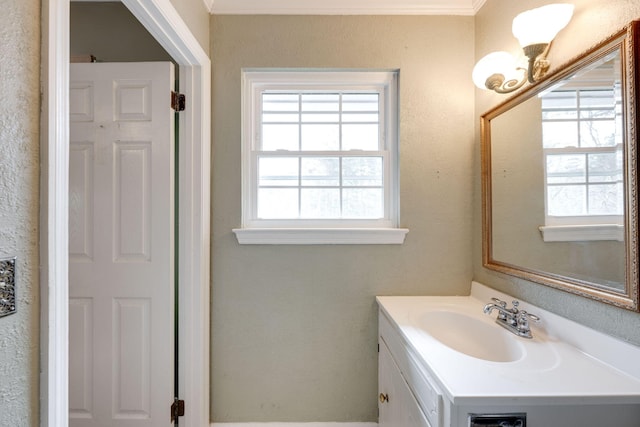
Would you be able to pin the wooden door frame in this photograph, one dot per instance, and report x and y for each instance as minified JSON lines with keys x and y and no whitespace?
{"x":162,"y":20}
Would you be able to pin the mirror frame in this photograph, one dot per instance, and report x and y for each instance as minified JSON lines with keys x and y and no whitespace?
{"x":628,"y":41}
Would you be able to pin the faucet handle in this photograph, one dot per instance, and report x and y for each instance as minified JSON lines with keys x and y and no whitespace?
{"x":529,"y":316}
{"x":522,"y":323}
{"x":501,"y":303}
{"x":502,"y":315}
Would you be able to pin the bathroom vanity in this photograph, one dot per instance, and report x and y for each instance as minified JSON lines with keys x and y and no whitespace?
{"x":443,"y":362}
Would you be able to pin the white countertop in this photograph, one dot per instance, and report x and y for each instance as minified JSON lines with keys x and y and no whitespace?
{"x":551,"y":371}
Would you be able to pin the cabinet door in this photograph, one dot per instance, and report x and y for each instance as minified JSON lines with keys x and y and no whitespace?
{"x":396,"y":404}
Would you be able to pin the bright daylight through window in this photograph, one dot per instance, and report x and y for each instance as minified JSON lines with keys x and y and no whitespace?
{"x":583,"y":156}
{"x":320,"y":157}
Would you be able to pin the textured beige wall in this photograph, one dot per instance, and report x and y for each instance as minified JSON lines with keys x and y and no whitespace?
{"x":195,"y":14}
{"x":111,"y":33}
{"x":109,"y":29}
{"x":19,"y":187}
{"x":294,"y":327}
{"x":593,"y":21}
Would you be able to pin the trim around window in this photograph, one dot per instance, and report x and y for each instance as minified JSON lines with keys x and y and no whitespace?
{"x":382,"y":227}
{"x":320,"y":236}
{"x":580,"y":233}
{"x":583,"y":228}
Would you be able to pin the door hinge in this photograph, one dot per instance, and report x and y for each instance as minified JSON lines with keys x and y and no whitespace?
{"x":177,"y":409}
{"x":178,"y":101}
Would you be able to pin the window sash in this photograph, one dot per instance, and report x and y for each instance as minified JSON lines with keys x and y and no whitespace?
{"x":582,"y":181}
{"x":301,"y":118}
{"x":579,"y":108}
{"x":299,"y":186}
{"x":302,"y":84}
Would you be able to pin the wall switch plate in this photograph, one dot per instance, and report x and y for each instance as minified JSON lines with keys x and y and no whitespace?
{"x":7,"y":286}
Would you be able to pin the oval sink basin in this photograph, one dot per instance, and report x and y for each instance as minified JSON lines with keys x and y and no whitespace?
{"x":472,"y":336}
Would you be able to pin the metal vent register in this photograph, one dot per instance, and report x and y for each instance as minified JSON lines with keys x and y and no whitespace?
{"x":498,"y":420}
{"x":7,"y":286}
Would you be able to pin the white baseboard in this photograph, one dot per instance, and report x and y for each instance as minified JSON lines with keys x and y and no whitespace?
{"x":294,"y":424}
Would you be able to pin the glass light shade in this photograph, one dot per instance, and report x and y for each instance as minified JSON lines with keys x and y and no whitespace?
{"x":495,"y":63}
{"x":541,"y":25}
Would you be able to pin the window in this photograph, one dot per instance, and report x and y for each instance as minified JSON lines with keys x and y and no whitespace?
{"x":320,"y":157}
{"x":582,"y":148}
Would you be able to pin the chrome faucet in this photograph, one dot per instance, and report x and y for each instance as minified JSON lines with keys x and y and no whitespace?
{"x":512,"y":319}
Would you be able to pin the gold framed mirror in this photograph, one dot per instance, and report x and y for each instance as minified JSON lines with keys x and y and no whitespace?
{"x":559,"y":176}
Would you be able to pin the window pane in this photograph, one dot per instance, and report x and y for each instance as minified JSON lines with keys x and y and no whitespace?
{"x":320,"y":171}
{"x":362,"y":171}
{"x":360,"y":117}
{"x":277,"y":171}
{"x":320,"y":137}
{"x":619,"y":127}
{"x":280,"y":137}
{"x":605,"y":167}
{"x":559,"y":114}
{"x":279,"y":102}
{"x":320,"y":203}
{"x":597,"y":113}
{"x":566,"y":200}
{"x":598,"y":133}
{"x":560,"y":100}
{"x":320,"y":117}
{"x":362,"y":203}
{"x":360,"y":102}
{"x":360,"y":137}
{"x":603,"y":99}
{"x":605,"y":199}
{"x":566,"y":168}
{"x":559,"y":134}
{"x":321,"y":102}
{"x":277,"y":203}
{"x":280,"y":118}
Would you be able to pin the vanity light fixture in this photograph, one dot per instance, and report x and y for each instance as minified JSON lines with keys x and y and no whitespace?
{"x":534,"y":29}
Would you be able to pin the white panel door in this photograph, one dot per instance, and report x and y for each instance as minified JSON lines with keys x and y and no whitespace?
{"x":121,"y":245}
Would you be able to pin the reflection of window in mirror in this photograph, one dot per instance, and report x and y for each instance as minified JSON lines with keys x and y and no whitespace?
{"x":582,"y":148}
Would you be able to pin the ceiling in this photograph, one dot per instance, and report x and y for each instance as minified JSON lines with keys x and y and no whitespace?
{"x":344,"y":7}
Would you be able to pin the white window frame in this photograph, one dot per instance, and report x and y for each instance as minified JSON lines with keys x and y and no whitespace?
{"x":336,"y":231}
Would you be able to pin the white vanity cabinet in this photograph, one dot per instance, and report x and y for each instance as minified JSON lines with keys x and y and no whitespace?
{"x":407,"y":395}
{"x":566,"y":375}
{"x":397,"y":406}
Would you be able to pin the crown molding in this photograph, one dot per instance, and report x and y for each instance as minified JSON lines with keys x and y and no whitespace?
{"x":344,"y":7}
{"x":209,"y":5}
{"x":476,"y":4}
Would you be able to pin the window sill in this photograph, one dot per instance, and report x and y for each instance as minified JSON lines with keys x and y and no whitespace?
{"x":578,"y":233}
{"x":328,"y":236}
